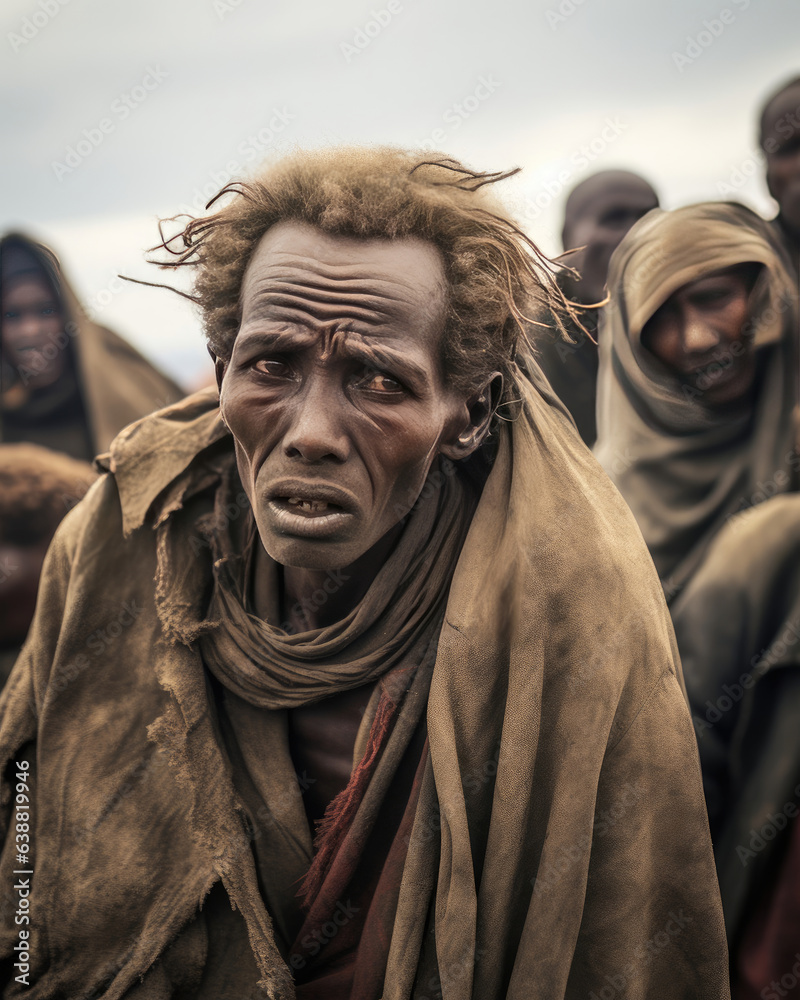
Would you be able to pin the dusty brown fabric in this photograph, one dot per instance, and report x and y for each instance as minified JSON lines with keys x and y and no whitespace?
{"x":683,"y":468}
{"x":115,"y":384}
{"x":738,"y":629}
{"x":261,"y":663}
{"x":559,"y":845}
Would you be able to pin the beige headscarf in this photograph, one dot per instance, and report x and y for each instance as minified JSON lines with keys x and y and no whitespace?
{"x":682,"y":467}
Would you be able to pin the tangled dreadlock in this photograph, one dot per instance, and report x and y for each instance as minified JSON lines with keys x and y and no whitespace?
{"x":495,"y":273}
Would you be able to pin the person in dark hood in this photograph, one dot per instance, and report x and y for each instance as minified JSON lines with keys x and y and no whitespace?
{"x":66,"y":383}
{"x":779,"y":135}
{"x":598,"y":213}
{"x":697,"y":390}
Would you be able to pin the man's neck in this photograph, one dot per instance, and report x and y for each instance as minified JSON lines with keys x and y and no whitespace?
{"x":315,"y":598}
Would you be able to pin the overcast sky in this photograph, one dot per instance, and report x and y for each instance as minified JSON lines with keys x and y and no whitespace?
{"x":114,"y":114}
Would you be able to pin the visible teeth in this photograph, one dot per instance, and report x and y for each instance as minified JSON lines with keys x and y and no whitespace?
{"x":312,"y":505}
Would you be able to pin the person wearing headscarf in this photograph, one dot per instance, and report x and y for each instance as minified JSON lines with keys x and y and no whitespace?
{"x":320,"y":701}
{"x":66,"y":383}
{"x":738,"y":629}
{"x":779,"y":137}
{"x":598,"y":213}
{"x":698,"y":377}
{"x":37,"y":488}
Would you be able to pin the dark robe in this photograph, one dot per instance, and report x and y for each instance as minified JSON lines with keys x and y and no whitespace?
{"x":571,"y":367}
{"x":790,"y":240}
{"x":738,"y":630}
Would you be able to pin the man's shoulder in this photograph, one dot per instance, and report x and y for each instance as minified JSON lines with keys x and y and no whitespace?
{"x":151,"y":454}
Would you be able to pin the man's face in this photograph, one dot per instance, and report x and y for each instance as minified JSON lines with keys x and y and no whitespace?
{"x":699,"y":334}
{"x":334,"y":392}
{"x":781,"y":142}
{"x":600,"y":228}
{"x":31,"y":322}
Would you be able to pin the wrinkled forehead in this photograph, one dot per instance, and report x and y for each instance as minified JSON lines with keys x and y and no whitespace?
{"x":401,"y":278}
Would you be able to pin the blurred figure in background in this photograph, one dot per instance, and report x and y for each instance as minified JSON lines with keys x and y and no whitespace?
{"x":697,"y":383}
{"x":738,"y":631}
{"x":67,"y":383}
{"x":37,"y":488}
{"x":598,"y":213}
{"x":780,"y":140}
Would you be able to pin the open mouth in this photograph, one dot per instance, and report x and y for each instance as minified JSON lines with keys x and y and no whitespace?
{"x":308,"y":507}
{"x":312,"y":510}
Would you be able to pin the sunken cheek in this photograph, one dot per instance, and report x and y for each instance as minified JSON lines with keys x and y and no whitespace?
{"x":394,"y":443}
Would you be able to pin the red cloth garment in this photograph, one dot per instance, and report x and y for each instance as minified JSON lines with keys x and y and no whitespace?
{"x":768,"y":962}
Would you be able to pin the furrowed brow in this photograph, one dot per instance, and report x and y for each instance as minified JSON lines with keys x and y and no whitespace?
{"x":377,"y":357}
{"x":280,"y":340}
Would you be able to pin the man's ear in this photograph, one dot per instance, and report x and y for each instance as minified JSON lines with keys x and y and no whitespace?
{"x":219,"y":367}
{"x":480,"y":409}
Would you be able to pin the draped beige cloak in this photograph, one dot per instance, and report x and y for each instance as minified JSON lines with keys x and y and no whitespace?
{"x":560,"y":847}
{"x":682,"y":467}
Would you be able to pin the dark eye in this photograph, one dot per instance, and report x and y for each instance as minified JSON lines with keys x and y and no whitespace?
{"x":616,"y":217}
{"x":790,"y":147}
{"x":713,"y":295}
{"x":48,"y":311}
{"x":380,"y":382}
{"x":273,"y":367}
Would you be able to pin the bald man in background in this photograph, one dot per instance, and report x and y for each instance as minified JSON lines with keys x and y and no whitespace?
{"x":780,"y":140}
{"x":598,"y":213}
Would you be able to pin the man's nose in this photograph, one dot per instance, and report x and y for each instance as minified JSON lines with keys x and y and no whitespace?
{"x":317,"y":432}
{"x":699,"y":335}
